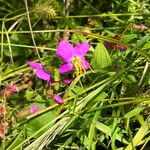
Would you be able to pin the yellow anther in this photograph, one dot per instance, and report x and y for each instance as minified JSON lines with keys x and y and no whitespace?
{"x":78,"y":65}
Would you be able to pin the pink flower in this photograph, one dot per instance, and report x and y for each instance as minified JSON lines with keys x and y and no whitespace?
{"x":73,"y":57}
{"x":10,"y":89}
{"x":58,"y":99}
{"x":34,"y":109}
{"x":67,"y":81}
{"x":40,"y":72}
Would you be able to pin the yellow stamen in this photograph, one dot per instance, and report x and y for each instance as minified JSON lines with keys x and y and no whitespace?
{"x":78,"y":65}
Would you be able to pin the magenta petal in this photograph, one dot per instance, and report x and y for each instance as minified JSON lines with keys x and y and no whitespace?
{"x":81,"y":49}
{"x":34,"y":65}
{"x":65,"y":68}
{"x":34,"y":109}
{"x":13,"y":89}
{"x":58,"y":99}
{"x":85,"y":64}
{"x":65,"y":51}
{"x":43,"y":75}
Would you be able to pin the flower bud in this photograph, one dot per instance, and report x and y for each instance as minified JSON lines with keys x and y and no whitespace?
{"x":58,"y":99}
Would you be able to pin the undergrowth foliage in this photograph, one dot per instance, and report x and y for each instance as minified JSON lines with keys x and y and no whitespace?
{"x":74,"y":75}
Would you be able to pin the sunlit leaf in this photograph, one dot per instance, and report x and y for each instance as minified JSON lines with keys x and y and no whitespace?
{"x":101,"y":58}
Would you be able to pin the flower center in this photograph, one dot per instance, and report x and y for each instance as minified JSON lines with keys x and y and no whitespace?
{"x":78,"y":65}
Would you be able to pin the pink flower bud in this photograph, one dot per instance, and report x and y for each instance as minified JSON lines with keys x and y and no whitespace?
{"x":67,"y":81}
{"x":10,"y":89}
{"x":34,"y":109}
{"x":13,"y":89}
{"x":58,"y":99}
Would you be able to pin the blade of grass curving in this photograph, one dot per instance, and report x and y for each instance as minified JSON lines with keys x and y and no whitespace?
{"x":9,"y":46}
{"x":92,"y":130}
{"x":134,"y":112}
{"x":30,"y":26}
{"x":14,"y":143}
{"x":14,"y":17}
{"x":129,"y":131}
{"x":139,"y":135}
{"x":14,"y":24}
{"x":145,"y":143}
{"x":140,"y":118}
{"x":104,"y":15}
{"x":115,"y":132}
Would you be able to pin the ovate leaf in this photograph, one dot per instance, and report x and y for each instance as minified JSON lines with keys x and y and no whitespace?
{"x":101,"y":58}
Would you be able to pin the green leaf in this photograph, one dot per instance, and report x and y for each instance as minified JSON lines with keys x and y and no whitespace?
{"x":129,"y":79}
{"x":108,"y":131}
{"x":92,"y":130}
{"x":29,"y":94}
{"x":147,"y":45}
{"x":101,"y":58}
{"x":56,"y":75}
{"x":129,"y":37}
{"x":133,"y":112}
